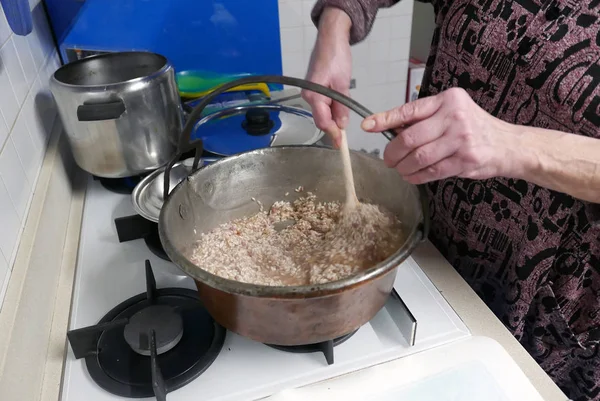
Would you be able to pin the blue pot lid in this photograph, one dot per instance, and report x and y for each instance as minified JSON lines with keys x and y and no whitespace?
{"x":245,"y":128}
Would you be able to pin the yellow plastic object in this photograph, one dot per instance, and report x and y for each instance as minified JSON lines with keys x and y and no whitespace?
{"x":195,"y":84}
{"x":260,"y":87}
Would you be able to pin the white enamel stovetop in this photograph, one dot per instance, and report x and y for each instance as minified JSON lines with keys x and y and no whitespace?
{"x":108,"y":272}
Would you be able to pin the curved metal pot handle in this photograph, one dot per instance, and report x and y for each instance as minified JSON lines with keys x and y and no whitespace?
{"x":185,"y":139}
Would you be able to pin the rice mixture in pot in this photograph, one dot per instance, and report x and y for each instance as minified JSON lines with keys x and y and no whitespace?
{"x":323,"y":245}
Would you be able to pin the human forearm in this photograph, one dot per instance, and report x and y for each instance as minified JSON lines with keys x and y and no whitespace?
{"x":361,"y":13}
{"x":449,"y":135}
{"x":559,"y":161}
{"x":334,"y":25}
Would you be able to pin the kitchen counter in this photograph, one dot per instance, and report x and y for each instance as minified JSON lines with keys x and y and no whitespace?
{"x":36,"y":310}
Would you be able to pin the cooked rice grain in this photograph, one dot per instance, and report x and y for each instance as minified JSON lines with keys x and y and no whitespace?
{"x":323,"y":245}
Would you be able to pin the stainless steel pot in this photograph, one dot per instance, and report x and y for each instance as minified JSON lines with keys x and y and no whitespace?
{"x":223,"y":190}
{"x":121,"y":112}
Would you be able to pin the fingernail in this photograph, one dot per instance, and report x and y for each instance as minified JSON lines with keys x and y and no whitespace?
{"x":343,"y":122}
{"x":368,"y":124}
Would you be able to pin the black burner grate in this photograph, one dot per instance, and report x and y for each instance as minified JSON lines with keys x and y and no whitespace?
{"x":134,"y":227}
{"x":326,"y":347}
{"x":119,"y":185}
{"x":161,"y":359}
{"x":153,"y":243}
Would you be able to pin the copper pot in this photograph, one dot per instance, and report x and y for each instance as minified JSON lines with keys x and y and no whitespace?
{"x":223,"y":191}
{"x":286,"y":315}
{"x":298,"y":321}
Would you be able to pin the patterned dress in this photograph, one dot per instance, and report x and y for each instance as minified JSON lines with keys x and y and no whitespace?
{"x":532,"y":254}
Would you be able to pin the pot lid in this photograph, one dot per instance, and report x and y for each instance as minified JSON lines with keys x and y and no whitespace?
{"x":249,"y":127}
{"x":148,"y":195}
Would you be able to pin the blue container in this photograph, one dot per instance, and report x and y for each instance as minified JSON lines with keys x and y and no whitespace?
{"x":225,"y":37}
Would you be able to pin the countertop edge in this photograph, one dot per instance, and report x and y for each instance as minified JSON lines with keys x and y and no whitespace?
{"x":37,"y":304}
{"x":480,"y":319}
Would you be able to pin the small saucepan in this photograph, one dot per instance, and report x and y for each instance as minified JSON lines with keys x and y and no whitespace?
{"x":148,"y":195}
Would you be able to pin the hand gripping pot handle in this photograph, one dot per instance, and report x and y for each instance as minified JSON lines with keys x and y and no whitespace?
{"x":185,"y":142}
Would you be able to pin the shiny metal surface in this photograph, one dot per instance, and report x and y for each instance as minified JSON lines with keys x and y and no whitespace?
{"x":121,"y":112}
{"x":148,"y":195}
{"x":223,"y":191}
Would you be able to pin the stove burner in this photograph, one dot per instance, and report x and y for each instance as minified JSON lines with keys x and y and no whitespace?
{"x":177,"y":354}
{"x":326,"y":347}
{"x":163,"y":320}
{"x":134,"y":227}
{"x":119,"y":185}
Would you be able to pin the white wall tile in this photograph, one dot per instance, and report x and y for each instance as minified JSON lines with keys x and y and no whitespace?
{"x":397,"y":71}
{"x":399,"y":49}
{"x":378,"y":73}
{"x":3,"y":130}
{"x":38,"y":106}
{"x":405,"y":7}
{"x":290,"y":14}
{"x":294,"y":64}
{"x":307,"y":6}
{"x":292,"y":39}
{"x":15,"y":180}
{"x":381,"y":29}
{"x":27,"y":152}
{"x":394,"y":95}
{"x":310,"y":37}
{"x":27,"y":113}
{"x":379,"y":51}
{"x":36,"y":49}
{"x":44,"y":104}
{"x":10,"y":69}
{"x":361,"y":53}
{"x":40,"y":41}
{"x":52,"y":65}
{"x":25,"y":58}
{"x":10,"y":224}
{"x":362,"y":75}
{"x":8,"y":53}
{"x":5,"y":30}
{"x":401,"y":27}
{"x":376,"y":95}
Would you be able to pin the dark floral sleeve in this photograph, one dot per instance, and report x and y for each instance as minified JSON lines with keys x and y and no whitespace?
{"x":593,"y":213}
{"x":361,"y":12}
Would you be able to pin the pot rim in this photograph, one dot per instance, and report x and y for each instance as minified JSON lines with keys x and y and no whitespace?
{"x":166,"y":67}
{"x":266,"y":291}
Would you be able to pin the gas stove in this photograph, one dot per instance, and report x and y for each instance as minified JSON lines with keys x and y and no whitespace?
{"x":137,"y":329}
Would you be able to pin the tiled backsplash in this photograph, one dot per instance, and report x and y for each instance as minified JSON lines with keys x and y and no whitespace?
{"x":379,"y":63}
{"x":27,"y":114}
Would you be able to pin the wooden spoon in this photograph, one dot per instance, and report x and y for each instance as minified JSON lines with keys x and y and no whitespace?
{"x":351,"y":198}
{"x":351,"y":205}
